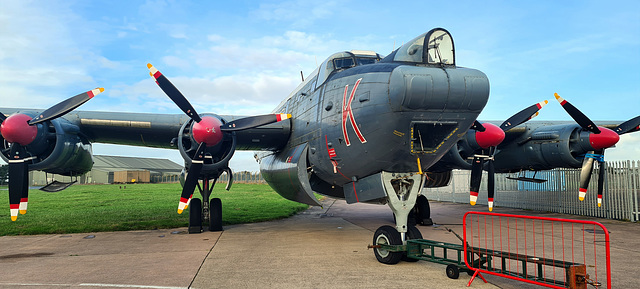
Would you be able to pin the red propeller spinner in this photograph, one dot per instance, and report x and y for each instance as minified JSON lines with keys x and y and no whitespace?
{"x":16,"y":129}
{"x":492,"y":136}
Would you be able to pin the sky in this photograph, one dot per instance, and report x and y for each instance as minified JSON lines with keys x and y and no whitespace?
{"x":244,"y":57}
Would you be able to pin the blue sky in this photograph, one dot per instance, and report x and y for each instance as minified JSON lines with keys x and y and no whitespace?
{"x":243,"y":57}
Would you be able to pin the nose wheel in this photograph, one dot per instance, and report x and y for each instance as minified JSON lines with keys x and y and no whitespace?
{"x":402,"y":192}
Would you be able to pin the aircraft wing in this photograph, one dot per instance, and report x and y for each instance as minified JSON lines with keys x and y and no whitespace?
{"x":160,"y":130}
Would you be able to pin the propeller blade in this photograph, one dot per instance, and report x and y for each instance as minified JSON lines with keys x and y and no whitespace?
{"x":254,"y":121}
{"x":478,"y":126}
{"x":522,"y":116}
{"x":577,"y":115}
{"x":585,"y":175}
{"x":66,"y":106}
{"x":172,"y":92}
{"x":628,"y":126}
{"x":18,"y":178}
{"x":491,"y":184}
{"x":602,"y":175}
{"x":476,"y":178}
{"x":24,"y":196}
{"x":2,"y":117}
{"x":192,"y":178}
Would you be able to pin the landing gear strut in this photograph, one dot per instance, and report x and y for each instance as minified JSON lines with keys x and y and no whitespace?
{"x":205,"y":212}
{"x":402,"y":191}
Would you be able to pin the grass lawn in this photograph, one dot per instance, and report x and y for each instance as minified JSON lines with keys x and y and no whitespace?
{"x":95,"y":208}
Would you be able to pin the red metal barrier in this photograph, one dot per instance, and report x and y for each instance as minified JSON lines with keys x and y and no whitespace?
{"x":544,"y":251}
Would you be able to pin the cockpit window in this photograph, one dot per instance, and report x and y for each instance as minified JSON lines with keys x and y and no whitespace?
{"x":345,"y":60}
{"x":439,"y":49}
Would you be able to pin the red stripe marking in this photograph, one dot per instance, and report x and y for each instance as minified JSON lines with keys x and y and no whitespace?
{"x":474,"y":193}
{"x":14,"y":206}
{"x":490,"y":199}
{"x":24,"y":200}
{"x":563,"y":102}
{"x":157,"y":74}
{"x":583,"y":190}
{"x":599,"y":196}
{"x":183,"y":200}
{"x":332,"y":153}
{"x":90,"y":93}
{"x":355,"y":192}
{"x":278,"y":117}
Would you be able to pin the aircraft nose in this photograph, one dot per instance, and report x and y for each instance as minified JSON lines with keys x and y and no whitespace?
{"x":418,"y":88}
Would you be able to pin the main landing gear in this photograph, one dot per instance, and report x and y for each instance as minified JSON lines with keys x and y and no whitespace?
{"x":205,"y":214}
{"x":403,"y":198}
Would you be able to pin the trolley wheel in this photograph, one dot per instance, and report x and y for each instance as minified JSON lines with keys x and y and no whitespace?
{"x":453,"y":271}
{"x":412,"y":234}
{"x":387,"y":235}
{"x":195,"y":216}
{"x":215,"y":215}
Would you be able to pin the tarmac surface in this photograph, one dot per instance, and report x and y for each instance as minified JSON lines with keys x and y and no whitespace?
{"x":319,"y":248}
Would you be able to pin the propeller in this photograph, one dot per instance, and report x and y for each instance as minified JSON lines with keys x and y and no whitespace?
{"x":488,"y":140}
{"x":20,"y":130}
{"x":600,"y":138}
{"x":207,"y":131}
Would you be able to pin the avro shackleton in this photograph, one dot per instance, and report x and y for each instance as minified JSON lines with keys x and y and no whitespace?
{"x":361,"y":127}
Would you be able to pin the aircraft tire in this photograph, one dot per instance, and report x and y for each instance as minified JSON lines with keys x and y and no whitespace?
{"x":387,"y":235}
{"x":215,"y":215}
{"x":423,"y":211}
{"x":412,"y":234}
{"x":195,"y":216}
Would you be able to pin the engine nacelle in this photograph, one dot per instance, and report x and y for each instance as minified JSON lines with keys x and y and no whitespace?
{"x":216,"y":157}
{"x":286,"y":172}
{"x":59,"y":148}
{"x":532,"y":148}
{"x":544,"y":148}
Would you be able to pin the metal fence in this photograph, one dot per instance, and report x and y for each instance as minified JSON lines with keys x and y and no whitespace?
{"x":244,"y":177}
{"x":559,"y":194}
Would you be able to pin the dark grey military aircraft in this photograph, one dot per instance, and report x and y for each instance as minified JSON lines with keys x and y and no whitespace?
{"x":361,"y":127}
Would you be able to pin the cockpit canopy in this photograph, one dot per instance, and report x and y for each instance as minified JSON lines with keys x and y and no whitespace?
{"x":440,"y":49}
{"x":344,"y":60}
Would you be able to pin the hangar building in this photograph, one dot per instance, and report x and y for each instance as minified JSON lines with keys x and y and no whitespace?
{"x":115,"y":169}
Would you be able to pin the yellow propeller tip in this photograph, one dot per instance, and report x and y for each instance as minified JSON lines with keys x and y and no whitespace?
{"x":14,"y":218}
{"x":22,"y":212}
{"x":179,"y":211}
{"x":599,"y":205}
{"x":546,"y":101}
{"x":101,"y":89}
{"x":581,"y":198}
{"x":490,"y":209}
{"x":556,"y":95}
{"x":473,"y":203}
{"x":149,"y":65}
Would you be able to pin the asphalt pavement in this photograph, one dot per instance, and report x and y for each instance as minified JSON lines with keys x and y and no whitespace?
{"x":319,"y":248}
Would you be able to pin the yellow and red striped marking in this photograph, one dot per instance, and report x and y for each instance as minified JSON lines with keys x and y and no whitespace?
{"x":154,"y":72}
{"x":182,"y":205}
{"x":560,"y":99}
{"x":14,"y":211}
{"x":582,"y":193}
{"x":23,"y":205}
{"x":95,"y":92}
{"x":599,"y":200}
{"x":490,"y":203}
{"x":282,"y":116}
{"x":541,"y":104}
{"x":473,"y":198}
